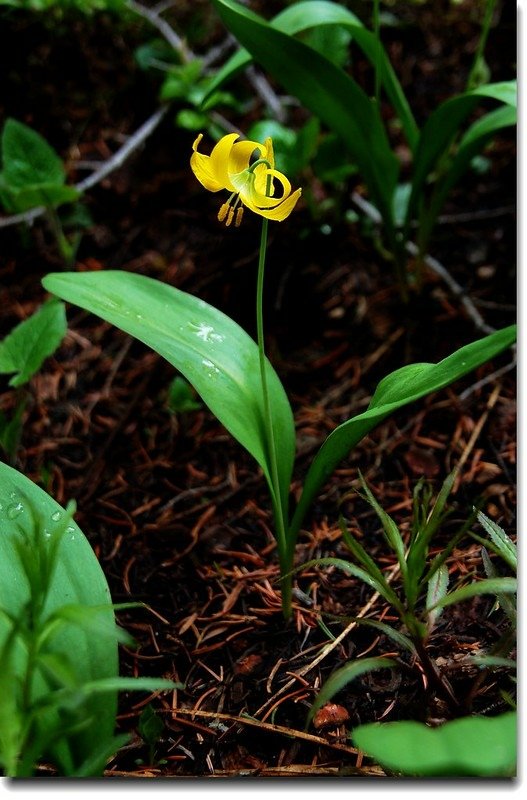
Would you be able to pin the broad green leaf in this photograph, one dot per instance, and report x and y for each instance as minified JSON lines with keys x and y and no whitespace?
{"x":402,"y":387}
{"x":506,"y":92}
{"x":27,"y":346}
{"x":471,"y":746}
{"x":494,"y":586}
{"x":77,"y":579}
{"x":27,"y":159}
{"x":328,"y":92}
{"x":213,"y":353}
{"x":341,"y":677}
{"x":317,"y":14}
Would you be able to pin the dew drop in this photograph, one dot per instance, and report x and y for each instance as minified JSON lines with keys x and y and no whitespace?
{"x":206,"y":333}
{"x":56,"y":516}
{"x":14,"y":510}
{"x":212,"y":369}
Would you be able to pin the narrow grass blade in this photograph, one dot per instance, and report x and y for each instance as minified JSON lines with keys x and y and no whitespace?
{"x":494,"y":586}
{"x":346,"y":674}
{"x":503,"y":544}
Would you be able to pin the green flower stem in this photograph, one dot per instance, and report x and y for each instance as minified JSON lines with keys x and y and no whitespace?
{"x":269,"y":433}
{"x":377,"y":32}
{"x":65,"y":248}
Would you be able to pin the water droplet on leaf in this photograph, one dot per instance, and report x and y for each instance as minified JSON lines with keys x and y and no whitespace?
{"x":14,"y":510}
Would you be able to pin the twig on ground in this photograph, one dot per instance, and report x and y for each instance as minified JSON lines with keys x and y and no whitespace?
{"x":132,"y":144}
{"x":255,"y":723}
{"x":456,"y":289}
{"x":262,"y":86}
{"x":330,"y":646}
{"x":164,"y":28}
{"x":488,"y":378}
{"x":432,"y":263}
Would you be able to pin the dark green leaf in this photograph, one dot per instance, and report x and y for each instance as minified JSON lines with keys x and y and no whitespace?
{"x":315,"y":14}
{"x":24,"y":350}
{"x":328,"y":92}
{"x":77,"y":578}
{"x":339,"y":679}
{"x":47,"y":195}
{"x":396,"y":390}
{"x":218,"y":358}
{"x":27,"y":159}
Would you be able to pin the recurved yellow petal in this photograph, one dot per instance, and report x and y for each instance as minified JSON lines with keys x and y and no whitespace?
{"x":203,"y":168}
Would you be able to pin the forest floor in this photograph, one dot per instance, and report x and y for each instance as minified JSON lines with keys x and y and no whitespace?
{"x":176,"y":511}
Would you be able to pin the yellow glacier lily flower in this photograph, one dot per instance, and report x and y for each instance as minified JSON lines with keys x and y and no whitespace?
{"x":250,"y":182}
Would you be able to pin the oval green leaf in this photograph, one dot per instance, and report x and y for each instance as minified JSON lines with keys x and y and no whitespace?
{"x":26,"y":510}
{"x":214,"y":354}
{"x":401,"y":387}
{"x":472,"y":746}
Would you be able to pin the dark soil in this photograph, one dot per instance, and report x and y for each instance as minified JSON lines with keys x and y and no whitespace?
{"x":176,"y":511}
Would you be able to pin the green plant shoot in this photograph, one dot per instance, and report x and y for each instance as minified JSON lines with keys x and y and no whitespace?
{"x":33,"y":175}
{"x":228,"y":369}
{"x":58,"y":640}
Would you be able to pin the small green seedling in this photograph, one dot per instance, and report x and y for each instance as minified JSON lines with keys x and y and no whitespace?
{"x":424,"y":590}
{"x":33,"y":176}
{"x":150,"y":728}
{"x":181,"y":397}
{"x":22,"y":353}
{"x":58,"y":640}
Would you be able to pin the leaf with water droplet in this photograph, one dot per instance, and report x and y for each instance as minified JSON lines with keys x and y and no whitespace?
{"x":210,"y":350}
{"x":14,"y":510}
{"x":27,"y":522}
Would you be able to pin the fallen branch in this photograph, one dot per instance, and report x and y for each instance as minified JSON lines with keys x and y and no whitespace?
{"x":432,"y":263}
{"x":132,"y":144}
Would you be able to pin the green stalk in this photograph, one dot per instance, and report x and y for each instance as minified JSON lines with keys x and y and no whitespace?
{"x":472,"y":80}
{"x":286,"y":582}
{"x":377,"y":32}
{"x":66,"y":250}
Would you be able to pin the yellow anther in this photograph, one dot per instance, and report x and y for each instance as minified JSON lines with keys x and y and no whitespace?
{"x":230,"y":215}
{"x":222,"y":213}
{"x":239,"y":215}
